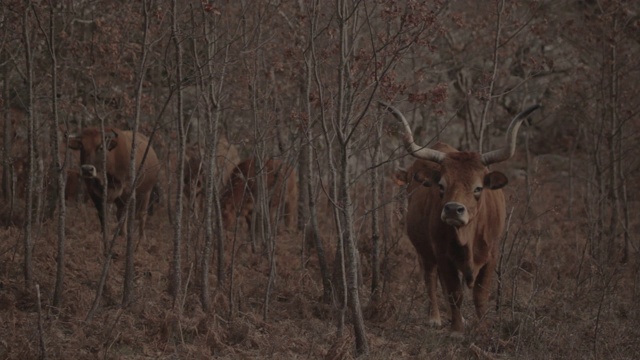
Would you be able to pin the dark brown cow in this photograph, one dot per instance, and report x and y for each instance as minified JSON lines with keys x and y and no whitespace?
{"x":455,"y":217}
{"x":71,"y":190}
{"x":73,"y":186}
{"x":118,"y":146}
{"x":239,"y":193}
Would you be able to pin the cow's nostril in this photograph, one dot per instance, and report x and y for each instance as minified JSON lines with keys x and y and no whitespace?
{"x":88,"y":170}
{"x":454,"y":209}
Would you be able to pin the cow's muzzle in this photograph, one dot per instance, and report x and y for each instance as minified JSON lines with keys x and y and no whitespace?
{"x":89,"y":171}
{"x":455,"y":214}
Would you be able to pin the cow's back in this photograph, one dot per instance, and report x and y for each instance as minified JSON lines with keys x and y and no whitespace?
{"x":226,"y":158}
{"x":118,"y":164}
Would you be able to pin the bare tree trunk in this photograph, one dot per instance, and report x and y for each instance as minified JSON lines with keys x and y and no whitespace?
{"x":572,"y":176}
{"x":176,"y":277}
{"x":58,"y":167}
{"x":270,"y":231}
{"x":600,"y":196}
{"x":352,"y":259}
{"x":304,"y":178}
{"x":107,"y":245}
{"x":375,"y":215}
{"x":615,"y":137}
{"x":42,"y":343}
{"x":625,"y":211}
{"x":212,"y":202}
{"x":28,"y":224}
{"x":494,"y":74}
{"x":127,"y":294}
{"x":311,"y":68}
{"x":344,"y":16}
{"x":7,"y":140}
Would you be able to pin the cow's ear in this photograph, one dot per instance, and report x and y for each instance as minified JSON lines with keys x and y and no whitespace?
{"x":400,"y":177}
{"x":427,"y":177}
{"x":111,"y":143}
{"x":74,"y":143}
{"x":495,"y":180}
{"x":112,"y":139}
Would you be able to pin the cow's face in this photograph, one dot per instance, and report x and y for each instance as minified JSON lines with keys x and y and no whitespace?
{"x":461,"y":181}
{"x":91,"y":148}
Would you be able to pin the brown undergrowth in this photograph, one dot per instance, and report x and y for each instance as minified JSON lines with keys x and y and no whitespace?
{"x":555,"y":301}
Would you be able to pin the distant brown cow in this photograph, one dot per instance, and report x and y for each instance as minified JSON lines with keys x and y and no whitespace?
{"x":118,"y":146}
{"x":239,"y":193}
{"x":20,"y":169}
{"x":226,"y":160}
{"x":456,"y":216}
{"x":73,"y":185}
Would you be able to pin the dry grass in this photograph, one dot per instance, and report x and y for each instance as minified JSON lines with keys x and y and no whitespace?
{"x":555,"y":302}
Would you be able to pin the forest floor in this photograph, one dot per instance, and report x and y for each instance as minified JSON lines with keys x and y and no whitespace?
{"x":552,"y":300}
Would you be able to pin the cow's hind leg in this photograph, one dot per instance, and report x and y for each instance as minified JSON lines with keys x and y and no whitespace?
{"x":290,"y":209}
{"x":142,"y":213}
{"x":291,"y":203}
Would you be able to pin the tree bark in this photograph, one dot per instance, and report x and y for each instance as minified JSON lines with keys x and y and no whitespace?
{"x":176,"y":264}
{"x":58,"y":167}
{"x":28,"y":224}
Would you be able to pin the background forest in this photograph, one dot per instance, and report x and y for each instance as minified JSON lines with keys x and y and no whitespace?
{"x":299,"y":81}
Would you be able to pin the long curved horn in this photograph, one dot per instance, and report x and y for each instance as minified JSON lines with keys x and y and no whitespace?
{"x":407,"y":138}
{"x":509,"y":149}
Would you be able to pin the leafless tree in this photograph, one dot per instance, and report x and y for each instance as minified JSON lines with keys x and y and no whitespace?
{"x":31,"y":120}
{"x":129,"y":274}
{"x":58,"y":167}
{"x":176,"y":276}
{"x":308,"y":169}
{"x":205,"y":58}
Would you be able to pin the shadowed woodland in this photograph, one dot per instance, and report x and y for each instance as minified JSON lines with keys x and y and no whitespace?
{"x":275,"y":228}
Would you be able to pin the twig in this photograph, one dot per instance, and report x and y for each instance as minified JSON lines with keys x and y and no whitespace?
{"x":479,"y":353}
{"x":106,"y":351}
{"x":43,"y":348}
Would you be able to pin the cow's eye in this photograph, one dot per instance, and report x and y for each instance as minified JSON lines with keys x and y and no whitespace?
{"x":477,"y":191}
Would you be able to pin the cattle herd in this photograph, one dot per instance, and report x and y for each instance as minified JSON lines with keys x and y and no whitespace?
{"x":455,"y":214}
{"x":237,"y":180}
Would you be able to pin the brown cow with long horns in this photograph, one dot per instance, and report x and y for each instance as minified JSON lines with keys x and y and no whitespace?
{"x":456,"y":217}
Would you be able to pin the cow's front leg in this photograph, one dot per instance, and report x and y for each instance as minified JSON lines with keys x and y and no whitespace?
{"x":481,"y":289}
{"x":120,"y":213}
{"x":431,"y":282}
{"x":453,"y":291}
